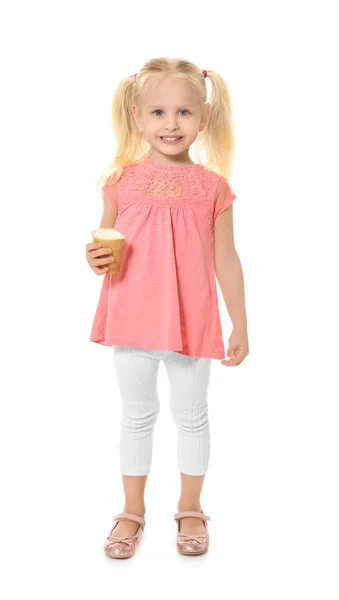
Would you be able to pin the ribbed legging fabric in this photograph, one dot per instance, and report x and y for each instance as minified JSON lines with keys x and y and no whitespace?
{"x":137,"y":373}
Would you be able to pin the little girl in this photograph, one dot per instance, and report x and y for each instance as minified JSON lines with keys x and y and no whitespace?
{"x":176,"y":217}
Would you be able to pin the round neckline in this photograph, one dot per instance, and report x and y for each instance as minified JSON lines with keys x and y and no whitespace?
{"x":152,"y":162}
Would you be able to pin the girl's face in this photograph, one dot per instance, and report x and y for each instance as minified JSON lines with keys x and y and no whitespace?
{"x":171,"y":109}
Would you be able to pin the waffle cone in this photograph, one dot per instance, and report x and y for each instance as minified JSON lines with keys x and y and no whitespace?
{"x":116,"y":245}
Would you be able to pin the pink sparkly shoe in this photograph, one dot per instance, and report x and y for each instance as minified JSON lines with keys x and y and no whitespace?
{"x":191,"y":543}
{"x":124,"y":547}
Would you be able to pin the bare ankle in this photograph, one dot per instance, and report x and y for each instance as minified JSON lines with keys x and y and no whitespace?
{"x":136,"y":509}
{"x":189,"y":505}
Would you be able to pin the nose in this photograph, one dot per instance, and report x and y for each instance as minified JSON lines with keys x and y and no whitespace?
{"x":171,"y":123}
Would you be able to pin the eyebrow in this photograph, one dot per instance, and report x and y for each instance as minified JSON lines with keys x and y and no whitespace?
{"x":183,"y":104}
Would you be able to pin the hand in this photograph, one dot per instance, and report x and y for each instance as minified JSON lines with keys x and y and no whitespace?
{"x":98,"y":265}
{"x":237,"y":348}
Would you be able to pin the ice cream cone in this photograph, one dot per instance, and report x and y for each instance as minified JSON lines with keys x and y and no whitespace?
{"x":109,"y":237}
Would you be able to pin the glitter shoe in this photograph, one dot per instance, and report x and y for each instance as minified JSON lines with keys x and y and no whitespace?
{"x":191,"y":543}
{"x":124,"y":547}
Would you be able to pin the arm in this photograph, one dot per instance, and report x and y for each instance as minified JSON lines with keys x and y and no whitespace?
{"x":228,"y":269}
{"x":109,"y":194}
{"x":109,"y":214}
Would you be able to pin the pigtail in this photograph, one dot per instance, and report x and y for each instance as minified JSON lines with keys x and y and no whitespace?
{"x":217,"y":138}
{"x":128,"y":139}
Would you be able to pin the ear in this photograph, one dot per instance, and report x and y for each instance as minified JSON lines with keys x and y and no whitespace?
{"x":137,"y":118}
{"x":205,"y":116}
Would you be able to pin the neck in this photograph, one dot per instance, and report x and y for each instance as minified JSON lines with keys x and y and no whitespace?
{"x":162,"y":159}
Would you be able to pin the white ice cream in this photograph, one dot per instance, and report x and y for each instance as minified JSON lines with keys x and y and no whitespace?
{"x":107,"y":233}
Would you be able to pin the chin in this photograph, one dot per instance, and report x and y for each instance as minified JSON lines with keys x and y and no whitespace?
{"x":175,"y":149}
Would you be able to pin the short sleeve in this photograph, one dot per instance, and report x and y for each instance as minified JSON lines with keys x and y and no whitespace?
{"x":110,"y":190}
{"x":223,"y":198}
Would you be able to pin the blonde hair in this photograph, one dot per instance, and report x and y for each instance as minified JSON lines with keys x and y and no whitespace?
{"x":217,"y":137}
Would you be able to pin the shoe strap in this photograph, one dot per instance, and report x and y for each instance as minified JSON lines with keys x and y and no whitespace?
{"x":191,"y":513}
{"x":130,"y":517}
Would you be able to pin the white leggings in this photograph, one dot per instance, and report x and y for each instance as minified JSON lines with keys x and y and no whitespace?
{"x":137,"y":370}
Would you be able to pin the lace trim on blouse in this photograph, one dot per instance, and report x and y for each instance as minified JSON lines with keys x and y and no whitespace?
{"x":163,"y":185}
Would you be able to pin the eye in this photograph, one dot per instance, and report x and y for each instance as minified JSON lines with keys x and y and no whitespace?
{"x":159,"y":110}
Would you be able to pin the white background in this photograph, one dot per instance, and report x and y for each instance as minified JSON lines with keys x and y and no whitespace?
{"x":272,"y":486}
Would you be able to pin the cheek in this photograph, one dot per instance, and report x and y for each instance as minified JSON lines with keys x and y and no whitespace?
{"x":152,"y":128}
{"x":194,"y":124}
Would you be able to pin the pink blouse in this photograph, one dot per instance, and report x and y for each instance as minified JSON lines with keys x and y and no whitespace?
{"x":165,"y":296}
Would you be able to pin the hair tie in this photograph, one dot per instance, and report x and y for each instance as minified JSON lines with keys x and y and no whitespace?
{"x":204,"y":73}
